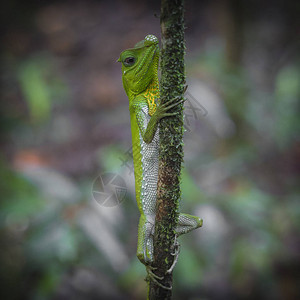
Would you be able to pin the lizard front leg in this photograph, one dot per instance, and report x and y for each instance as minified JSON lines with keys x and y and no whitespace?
{"x":161,"y":112}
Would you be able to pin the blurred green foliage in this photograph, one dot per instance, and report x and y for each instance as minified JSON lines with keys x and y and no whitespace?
{"x":35,"y":91}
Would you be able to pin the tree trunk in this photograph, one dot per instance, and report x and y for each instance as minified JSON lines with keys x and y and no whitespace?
{"x":171,"y":146}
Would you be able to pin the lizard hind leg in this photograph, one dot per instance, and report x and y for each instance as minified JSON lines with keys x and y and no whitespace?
{"x":145,"y":241}
{"x":187,"y":223}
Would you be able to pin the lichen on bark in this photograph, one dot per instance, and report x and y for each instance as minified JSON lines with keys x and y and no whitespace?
{"x":171,"y":145}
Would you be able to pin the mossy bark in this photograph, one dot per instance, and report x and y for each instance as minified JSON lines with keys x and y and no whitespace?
{"x":171,"y":145}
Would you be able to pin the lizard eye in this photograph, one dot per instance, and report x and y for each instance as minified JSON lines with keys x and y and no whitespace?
{"x":129,"y":61}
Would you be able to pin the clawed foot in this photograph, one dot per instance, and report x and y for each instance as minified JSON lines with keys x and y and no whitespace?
{"x":155,"y":278}
{"x":176,"y":254}
{"x":150,"y":270}
{"x":185,"y":88}
{"x":163,"y":109}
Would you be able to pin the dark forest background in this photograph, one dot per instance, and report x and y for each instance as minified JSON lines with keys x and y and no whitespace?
{"x":65,"y":121}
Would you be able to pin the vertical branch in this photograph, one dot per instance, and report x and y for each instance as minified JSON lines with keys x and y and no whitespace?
{"x":171,"y":145}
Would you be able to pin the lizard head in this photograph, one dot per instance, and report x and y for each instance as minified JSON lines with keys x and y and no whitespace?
{"x":139,"y":65}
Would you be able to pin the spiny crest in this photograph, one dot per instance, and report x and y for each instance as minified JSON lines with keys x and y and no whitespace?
{"x":151,"y":38}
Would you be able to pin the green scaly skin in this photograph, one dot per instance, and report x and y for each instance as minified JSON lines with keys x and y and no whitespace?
{"x":140,"y":81}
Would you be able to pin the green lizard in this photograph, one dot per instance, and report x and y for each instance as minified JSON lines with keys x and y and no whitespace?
{"x":140,"y":81}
